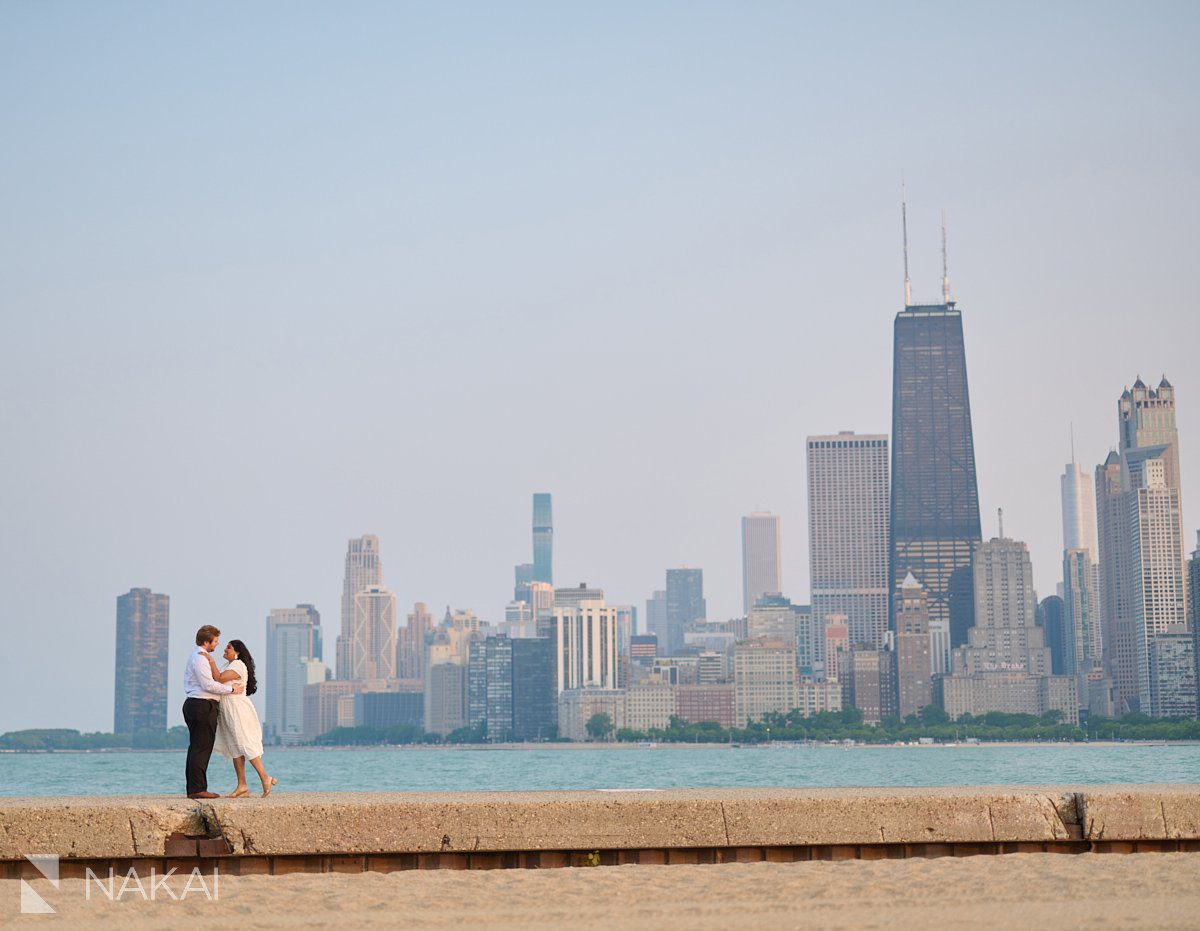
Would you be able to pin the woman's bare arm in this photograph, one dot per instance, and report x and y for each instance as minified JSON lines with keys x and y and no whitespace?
{"x":229,"y":675}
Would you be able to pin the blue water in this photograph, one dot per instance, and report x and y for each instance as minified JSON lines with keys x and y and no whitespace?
{"x":619,"y":767}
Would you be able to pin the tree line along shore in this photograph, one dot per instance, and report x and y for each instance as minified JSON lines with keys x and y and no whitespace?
{"x":932,"y":724}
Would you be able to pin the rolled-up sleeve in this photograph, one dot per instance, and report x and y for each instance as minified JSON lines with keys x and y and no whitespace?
{"x":203,"y":670}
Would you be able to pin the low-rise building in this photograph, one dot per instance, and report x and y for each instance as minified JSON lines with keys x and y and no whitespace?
{"x":389,"y":709}
{"x":699,"y":703}
{"x":1012,"y":692}
{"x":764,"y":679}
{"x":321,"y":704}
{"x":649,"y":705}
{"x":815,"y":697}
{"x":1172,"y":675}
{"x":576,"y":707}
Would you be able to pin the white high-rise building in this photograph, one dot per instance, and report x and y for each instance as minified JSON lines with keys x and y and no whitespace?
{"x":374,"y":634}
{"x":760,"y":557}
{"x":1078,"y":510}
{"x":290,"y":648}
{"x":1157,"y":564}
{"x":848,"y":513}
{"x":363,"y":570}
{"x":586,"y":636}
{"x":1141,"y":539}
{"x":1081,"y":581}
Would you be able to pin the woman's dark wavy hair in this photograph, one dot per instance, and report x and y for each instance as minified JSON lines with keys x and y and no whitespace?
{"x":244,"y":655}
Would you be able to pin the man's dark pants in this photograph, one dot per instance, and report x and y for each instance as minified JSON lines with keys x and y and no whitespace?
{"x":200,"y":715}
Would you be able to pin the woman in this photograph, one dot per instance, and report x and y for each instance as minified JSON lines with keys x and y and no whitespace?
{"x":239,"y":735}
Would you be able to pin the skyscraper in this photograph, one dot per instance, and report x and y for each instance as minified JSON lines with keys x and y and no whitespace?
{"x":363,"y":570}
{"x":1193,"y":574}
{"x":1146,"y":421}
{"x":1157,"y":564}
{"x":1005,"y":664}
{"x":543,"y":539}
{"x":656,"y":619}
{"x":1084,"y":638}
{"x":1081,"y":613}
{"x":848,"y":532}
{"x":760,"y":557}
{"x":291,"y":641}
{"x":535,"y":698}
{"x":1141,"y":540}
{"x":410,"y":643}
{"x":541,"y":604}
{"x":934,"y":497}
{"x":140,"y":694}
{"x":510,"y":688}
{"x":318,"y":641}
{"x":1050,"y":613}
{"x":374,"y":634}
{"x":1005,"y":635}
{"x":1116,"y":602}
{"x":585,"y":642}
{"x":914,"y":658}
{"x":522,"y":576}
{"x":685,"y":606}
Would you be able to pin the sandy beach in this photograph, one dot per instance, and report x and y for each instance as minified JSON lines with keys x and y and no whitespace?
{"x":1020,"y":890}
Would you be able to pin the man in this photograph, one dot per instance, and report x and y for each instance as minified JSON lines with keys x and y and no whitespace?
{"x":200,"y":710}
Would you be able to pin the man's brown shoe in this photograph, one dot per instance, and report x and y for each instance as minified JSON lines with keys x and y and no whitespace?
{"x":204,"y":795}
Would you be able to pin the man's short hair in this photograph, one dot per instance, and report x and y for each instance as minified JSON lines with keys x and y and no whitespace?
{"x":205,"y":634}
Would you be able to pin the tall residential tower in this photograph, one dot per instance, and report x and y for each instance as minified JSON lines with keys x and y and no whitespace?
{"x":140,"y":697}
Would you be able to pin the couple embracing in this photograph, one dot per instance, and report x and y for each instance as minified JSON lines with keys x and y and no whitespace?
{"x":219,"y":714}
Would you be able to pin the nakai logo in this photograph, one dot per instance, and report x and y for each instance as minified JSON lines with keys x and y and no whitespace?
{"x":31,"y":902}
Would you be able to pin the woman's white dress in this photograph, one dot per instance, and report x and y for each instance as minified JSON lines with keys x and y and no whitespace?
{"x":238,"y":730}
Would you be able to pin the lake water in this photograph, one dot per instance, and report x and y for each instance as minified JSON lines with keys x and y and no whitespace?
{"x":619,"y":767}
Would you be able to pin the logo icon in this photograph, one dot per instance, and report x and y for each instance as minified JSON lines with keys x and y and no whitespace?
{"x":31,"y":902}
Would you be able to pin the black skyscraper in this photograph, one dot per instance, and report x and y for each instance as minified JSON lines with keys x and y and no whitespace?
{"x":935,"y":501}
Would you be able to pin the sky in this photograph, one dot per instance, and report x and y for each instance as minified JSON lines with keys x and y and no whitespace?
{"x":277,"y":275}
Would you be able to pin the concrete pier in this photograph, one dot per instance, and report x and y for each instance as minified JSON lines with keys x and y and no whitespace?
{"x":352,"y":831}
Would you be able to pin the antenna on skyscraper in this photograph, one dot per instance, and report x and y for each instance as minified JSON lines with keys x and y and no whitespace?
{"x":904,"y":227}
{"x":945,"y":264}
{"x":1000,"y":515}
{"x":1072,"y":442}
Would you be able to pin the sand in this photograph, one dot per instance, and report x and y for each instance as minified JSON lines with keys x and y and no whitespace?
{"x":1017,"y":890}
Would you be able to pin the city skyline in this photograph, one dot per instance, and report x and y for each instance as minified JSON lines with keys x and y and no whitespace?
{"x":697,"y":268}
{"x":1149,"y":450}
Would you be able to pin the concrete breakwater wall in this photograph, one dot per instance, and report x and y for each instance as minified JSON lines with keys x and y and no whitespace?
{"x":351,"y":831}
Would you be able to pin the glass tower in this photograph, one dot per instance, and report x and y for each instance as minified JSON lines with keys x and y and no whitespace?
{"x":543,"y":539}
{"x":935,"y":499}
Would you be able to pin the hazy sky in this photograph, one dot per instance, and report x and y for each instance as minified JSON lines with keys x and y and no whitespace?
{"x":276,"y":275}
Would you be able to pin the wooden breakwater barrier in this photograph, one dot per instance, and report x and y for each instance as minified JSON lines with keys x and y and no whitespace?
{"x":352,"y":832}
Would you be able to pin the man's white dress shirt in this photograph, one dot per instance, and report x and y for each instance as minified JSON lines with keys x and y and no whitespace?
{"x":198,"y":679}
